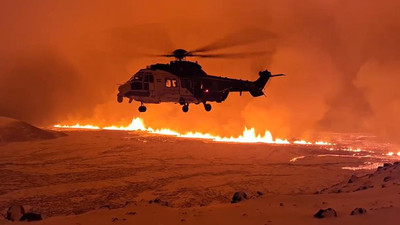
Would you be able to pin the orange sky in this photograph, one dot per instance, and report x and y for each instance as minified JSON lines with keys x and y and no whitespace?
{"x":62,"y":60}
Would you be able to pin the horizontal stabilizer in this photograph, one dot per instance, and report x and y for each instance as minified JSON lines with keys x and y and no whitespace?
{"x":260,"y":83}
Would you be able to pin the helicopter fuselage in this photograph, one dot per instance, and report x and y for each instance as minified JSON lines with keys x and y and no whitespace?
{"x":155,"y":86}
{"x":184,"y":82}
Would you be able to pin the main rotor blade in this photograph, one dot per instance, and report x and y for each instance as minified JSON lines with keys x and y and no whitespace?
{"x":234,"y":55}
{"x":242,"y":37}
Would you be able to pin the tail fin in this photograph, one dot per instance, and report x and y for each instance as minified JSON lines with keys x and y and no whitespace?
{"x":260,"y":83}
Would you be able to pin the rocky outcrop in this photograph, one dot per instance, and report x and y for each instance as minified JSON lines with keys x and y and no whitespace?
{"x":358,"y":211}
{"x":12,"y":130}
{"x":385,"y":176}
{"x":326,"y":213}
{"x":15,"y":212}
{"x":159,"y":201}
{"x":239,"y":196}
{"x":352,"y":179}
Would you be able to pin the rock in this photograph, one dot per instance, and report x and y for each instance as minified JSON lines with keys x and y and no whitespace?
{"x":14,"y":213}
{"x":31,"y":217}
{"x":105,"y":207}
{"x":358,"y":211}
{"x":114,"y":219}
{"x":365,"y":187}
{"x":387,"y":164}
{"x":131,"y":213}
{"x":281,"y":204}
{"x":239,"y":196}
{"x":325,"y":213}
{"x":352,"y":179}
{"x":397,"y":162}
{"x":159,"y":201}
{"x":259,"y":193}
{"x":386,"y":179}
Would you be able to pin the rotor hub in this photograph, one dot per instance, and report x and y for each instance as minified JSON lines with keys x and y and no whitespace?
{"x":180,"y":54}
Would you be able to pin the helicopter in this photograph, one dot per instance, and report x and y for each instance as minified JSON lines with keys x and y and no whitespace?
{"x":185,"y":82}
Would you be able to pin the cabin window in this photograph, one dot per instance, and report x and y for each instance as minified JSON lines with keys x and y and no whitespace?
{"x":136,"y":86}
{"x":146,"y":86}
{"x":171,"y":83}
{"x":167,"y":83}
{"x":174,"y":83}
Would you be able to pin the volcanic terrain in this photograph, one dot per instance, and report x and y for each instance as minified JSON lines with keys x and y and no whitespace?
{"x":134,"y":177}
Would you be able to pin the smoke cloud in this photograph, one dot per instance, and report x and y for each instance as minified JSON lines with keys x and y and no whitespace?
{"x":61,"y":61}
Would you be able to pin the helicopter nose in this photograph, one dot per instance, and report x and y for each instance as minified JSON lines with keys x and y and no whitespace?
{"x":120,"y":88}
{"x":123,"y":87}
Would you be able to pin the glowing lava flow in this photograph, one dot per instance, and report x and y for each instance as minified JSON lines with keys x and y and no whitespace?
{"x":248,"y":136}
{"x":78,"y":126}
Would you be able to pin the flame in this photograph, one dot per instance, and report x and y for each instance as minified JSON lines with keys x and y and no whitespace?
{"x":136,"y":124}
{"x":302,"y":142}
{"x":249,"y":134}
{"x":78,"y":126}
{"x":322,"y":143}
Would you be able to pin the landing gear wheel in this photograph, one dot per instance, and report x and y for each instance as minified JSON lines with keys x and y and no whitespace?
{"x":185,"y":108}
{"x":207,"y":107}
{"x":142,"y":108}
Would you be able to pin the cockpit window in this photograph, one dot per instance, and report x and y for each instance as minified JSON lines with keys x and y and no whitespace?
{"x":136,"y":86}
{"x":137,"y":77}
{"x":149,"y":78}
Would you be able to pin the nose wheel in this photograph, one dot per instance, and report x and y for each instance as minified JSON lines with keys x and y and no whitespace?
{"x":185,"y":108}
{"x":207,"y":107}
{"x":142,"y":108}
